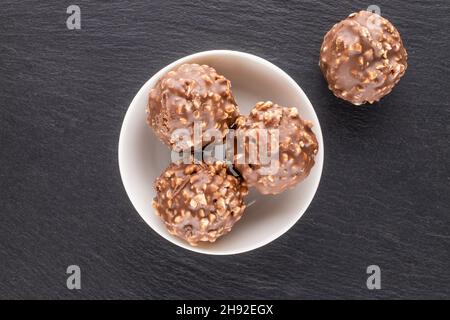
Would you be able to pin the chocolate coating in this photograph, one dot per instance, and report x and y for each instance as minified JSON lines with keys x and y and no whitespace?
{"x":199,"y":202}
{"x":191,"y":93}
{"x":362,"y":58}
{"x":296,"y":150}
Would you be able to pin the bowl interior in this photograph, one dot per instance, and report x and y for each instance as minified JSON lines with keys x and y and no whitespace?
{"x":142,"y":157}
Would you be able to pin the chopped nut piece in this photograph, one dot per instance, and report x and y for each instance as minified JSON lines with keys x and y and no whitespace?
{"x":200,"y":198}
{"x":193,"y":203}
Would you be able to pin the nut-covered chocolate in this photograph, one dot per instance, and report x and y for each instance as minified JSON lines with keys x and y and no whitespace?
{"x":362,"y":58}
{"x":280,"y":169}
{"x":190,"y":94}
{"x":199,"y":202}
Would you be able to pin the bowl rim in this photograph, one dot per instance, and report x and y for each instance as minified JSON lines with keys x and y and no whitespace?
{"x":281,"y":73}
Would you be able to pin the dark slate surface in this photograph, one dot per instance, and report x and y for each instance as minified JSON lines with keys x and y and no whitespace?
{"x":383,"y":198}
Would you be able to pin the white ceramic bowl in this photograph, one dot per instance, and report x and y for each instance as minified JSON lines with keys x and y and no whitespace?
{"x":142,"y":157}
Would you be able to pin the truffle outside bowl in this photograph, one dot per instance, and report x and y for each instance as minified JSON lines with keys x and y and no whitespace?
{"x":142,"y":157}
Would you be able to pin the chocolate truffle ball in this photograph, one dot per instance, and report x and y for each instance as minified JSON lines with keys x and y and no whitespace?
{"x":362,"y":58}
{"x":297,"y":148}
{"x":190,"y":94}
{"x":199,"y":202}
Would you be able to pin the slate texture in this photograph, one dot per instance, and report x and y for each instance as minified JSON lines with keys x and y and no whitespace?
{"x":383,"y":198}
